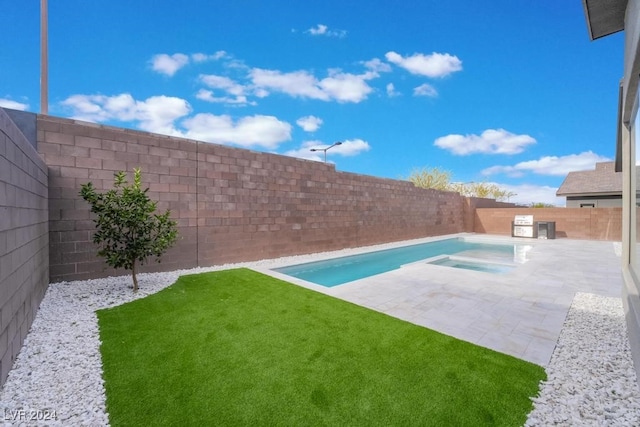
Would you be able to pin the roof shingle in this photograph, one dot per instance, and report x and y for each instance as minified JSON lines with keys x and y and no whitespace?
{"x":602,"y":181}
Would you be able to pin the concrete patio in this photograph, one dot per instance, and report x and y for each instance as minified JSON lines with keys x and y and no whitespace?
{"x":520,"y":312}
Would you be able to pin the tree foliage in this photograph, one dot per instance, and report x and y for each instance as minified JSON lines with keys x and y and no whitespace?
{"x":542,"y":205}
{"x":435,"y":178}
{"x":127,"y":229}
{"x":439,"y":179}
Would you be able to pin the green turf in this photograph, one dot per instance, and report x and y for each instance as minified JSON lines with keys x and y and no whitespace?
{"x":237,"y":347}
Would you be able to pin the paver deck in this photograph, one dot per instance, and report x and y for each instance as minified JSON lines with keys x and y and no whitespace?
{"x":520,"y":312}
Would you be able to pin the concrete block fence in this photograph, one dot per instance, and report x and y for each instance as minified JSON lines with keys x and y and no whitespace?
{"x":24,"y":239}
{"x":231,"y":204}
{"x":572,"y":223}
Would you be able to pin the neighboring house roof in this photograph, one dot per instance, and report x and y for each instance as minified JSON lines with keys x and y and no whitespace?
{"x":604,"y":17}
{"x":602,"y":181}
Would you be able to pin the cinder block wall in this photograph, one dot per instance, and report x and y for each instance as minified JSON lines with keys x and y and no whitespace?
{"x":573,"y":223}
{"x":473,"y":203}
{"x":24,"y":239}
{"x":231,"y":204}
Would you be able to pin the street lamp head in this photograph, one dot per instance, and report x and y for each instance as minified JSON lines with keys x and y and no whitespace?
{"x":326,"y":149}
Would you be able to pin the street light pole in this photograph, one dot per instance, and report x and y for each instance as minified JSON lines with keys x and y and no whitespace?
{"x":44,"y":58}
{"x":326,"y":149}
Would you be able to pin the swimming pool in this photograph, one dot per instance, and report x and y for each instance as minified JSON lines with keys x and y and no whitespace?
{"x":337,"y":271}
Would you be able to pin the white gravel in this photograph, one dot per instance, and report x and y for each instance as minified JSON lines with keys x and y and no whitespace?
{"x":57,"y":377}
{"x":590,"y":379}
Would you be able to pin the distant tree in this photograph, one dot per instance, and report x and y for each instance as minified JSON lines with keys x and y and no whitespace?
{"x":435,"y":178}
{"x":542,"y":205}
{"x":481,"y":189}
{"x":508,"y":195}
{"x":491,"y":191}
{"x":460,"y":187}
{"x":439,"y":179}
{"x":127,"y":229}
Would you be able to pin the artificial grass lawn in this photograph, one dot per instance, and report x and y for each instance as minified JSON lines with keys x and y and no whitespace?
{"x":237,"y":347}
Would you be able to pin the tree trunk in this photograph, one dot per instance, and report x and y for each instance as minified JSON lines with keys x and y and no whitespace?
{"x":135,"y":279}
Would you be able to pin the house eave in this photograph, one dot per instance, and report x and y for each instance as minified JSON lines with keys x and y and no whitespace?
{"x":604,"y":17}
{"x":589,"y":195}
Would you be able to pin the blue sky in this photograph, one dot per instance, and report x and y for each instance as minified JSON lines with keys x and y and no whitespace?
{"x":509,"y":92}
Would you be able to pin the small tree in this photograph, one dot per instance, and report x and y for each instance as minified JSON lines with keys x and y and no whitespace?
{"x":128,"y":231}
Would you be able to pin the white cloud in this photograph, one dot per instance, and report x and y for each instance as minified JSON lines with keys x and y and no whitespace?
{"x":425,"y":90}
{"x":323,"y":30}
{"x":169,"y":64}
{"x":155,"y":114}
{"x":203,"y":57}
{"x":199,"y":57}
{"x":434,"y":65}
{"x":339,"y":86}
{"x":318,"y":30}
{"x":304,"y":152}
{"x":491,"y":141}
{"x":121,"y":107}
{"x":159,"y":114}
{"x":550,"y":165}
{"x":101,"y":108}
{"x":352,"y":147}
{"x":377,"y":65}
{"x":209,"y":96}
{"x":221,"y":82}
{"x":309,"y":123}
{"x":13,"y":105}
{"x":261,"y":92}
{"x":225,"y":84}
{"x":348,"y":148}
{"x":258,"y":130}
{"x":336,"y":86}
{"x":526,"y":194}
{"x":346,"y":87}
{"x":297,"y":83}
{"x":391,"y":90}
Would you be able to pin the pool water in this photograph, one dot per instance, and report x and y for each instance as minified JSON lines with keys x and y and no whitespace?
{"x":336,"y":271}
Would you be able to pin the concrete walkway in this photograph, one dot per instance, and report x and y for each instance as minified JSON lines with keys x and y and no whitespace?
{"x":520,"y":312}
